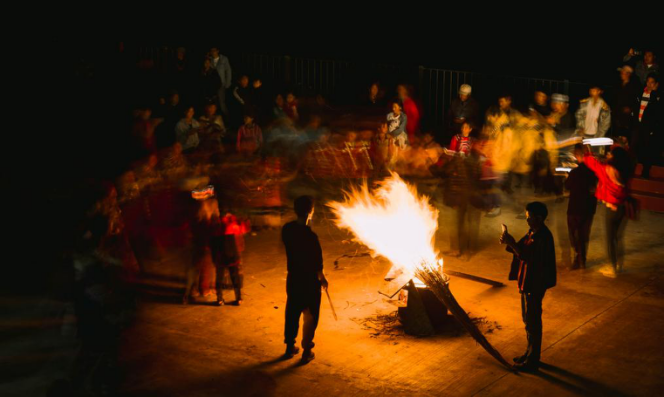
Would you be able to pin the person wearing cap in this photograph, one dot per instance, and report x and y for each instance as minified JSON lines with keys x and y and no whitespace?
{"x":560,"y":119}
{"x":593,"y":118}
{"x":624,"y":104}
{"x":463,"y":109}
{"x":648,"y":139}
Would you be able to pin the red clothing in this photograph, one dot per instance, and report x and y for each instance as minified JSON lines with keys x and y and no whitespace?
{"x":249,"y":139}
{"x":413,"y":117}
{"x":609,"y":189}
{"x":461,"y":144}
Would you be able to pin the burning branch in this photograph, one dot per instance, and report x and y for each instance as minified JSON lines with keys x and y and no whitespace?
{"x":438,"y":284}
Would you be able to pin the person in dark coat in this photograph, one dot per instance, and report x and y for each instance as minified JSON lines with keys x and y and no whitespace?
{"x":581,"y":184}
{"x":534,"y":268}
{"x":305,"y":279}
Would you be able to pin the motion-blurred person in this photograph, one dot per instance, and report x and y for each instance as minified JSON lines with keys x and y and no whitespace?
{"x":207,"y":219}
{"x":227,"y":247}
{"x":242,"y":95}
{"x":581,"y":184}
{"x":170,"y":110}
{"x":540,"y":105}
{"x":463,"y":109}
{"x":613,"y":176}
{"x":382,"y":148}
{"x":374,"y":99}
{"x":650,"y":135}
{"x":411,"y":110}
{"x":396,"y":125}
{"x":223,"y":67}
{"x":278,"y":111}
{"x":291,"y":108}
{"x":249,"y":137}
{"x":209,"y":83}
{"x":502,"y":129}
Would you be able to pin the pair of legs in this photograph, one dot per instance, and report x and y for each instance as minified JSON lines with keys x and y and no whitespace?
{"x":467,"y":229}
{"x":579,"y":227}
{"x":309,"y":308}
{"x":531,"y":312}
{"x":615,"y":225}
{"x":236,"y":277}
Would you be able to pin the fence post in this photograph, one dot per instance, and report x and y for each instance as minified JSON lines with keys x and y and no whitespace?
{"x":566,"y":85}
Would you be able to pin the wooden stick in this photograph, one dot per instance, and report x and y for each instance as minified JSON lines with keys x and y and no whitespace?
{"x":334,"y":313}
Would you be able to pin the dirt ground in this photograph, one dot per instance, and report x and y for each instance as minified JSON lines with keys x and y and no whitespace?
{"x":602,"y":336}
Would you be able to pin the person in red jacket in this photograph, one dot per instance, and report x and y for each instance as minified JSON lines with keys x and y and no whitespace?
{"x":411,"y":110}
{"x":613,"y":177}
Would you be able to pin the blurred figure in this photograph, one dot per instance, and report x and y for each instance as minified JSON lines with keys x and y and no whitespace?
{"x":212,"y":122}
{"x":209,"y":83}
{"x":560,"y":119}
{"x":278,"y":111}
{"x":143,"y":132}
{"x":206,"y":221}
{"x":593,"y":118}
{"x":644,"y":66}
{"x":624,"y":104}
{"x":171,"y":112}
{"x":227,"y":247}
{"x":502,"y":129}
{"x":411,"y":110}
{"x":249,"y":137}
{"x":242,"y":92}
{"x":382,"y":148}
{"x":223,"y":67}
{"x":581,"y":184}
{"x":186,"y":131}
{"x":290,"y":108}
{"x":650,"y":135}
{"x":374,"y":99}
{"x":612,"y":190}
{"x":461,"y":177}
{"x":463,"y":109}
{"x":260,"y":102}
{"x":540,"y":105}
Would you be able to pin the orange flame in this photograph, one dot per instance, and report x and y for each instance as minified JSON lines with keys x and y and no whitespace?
{"x":393,"y":221}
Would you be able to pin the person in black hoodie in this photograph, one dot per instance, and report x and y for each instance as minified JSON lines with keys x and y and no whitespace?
{"x":624,"y":104}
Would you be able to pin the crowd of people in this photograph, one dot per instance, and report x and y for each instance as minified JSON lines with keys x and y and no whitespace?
{"x":212,"y":158}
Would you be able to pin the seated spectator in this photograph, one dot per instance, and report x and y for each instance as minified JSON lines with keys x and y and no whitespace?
{"x":186,"y":131}
{"x":396,"y":124}
{"x":462,"y":143}
{"x":143,"y":131}
{"x":278,"y":111}
{"x":644,"y":66}
{"x":464,"y":108}
{"x":375,"y":97}
{"x":211,"y":121}
{"x":290,"y":108}
{"x":249,"y":137}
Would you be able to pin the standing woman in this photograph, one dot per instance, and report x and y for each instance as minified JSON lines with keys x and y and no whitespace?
{"x":612,"y":190}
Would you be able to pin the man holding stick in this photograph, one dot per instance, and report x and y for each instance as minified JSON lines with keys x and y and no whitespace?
{"x":305,"y":279}
{"x":534,"y":268}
